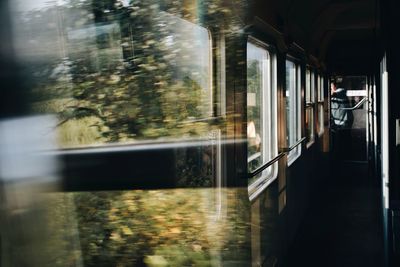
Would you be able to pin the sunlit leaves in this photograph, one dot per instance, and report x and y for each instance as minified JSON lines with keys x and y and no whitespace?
{"x":132,"y":228}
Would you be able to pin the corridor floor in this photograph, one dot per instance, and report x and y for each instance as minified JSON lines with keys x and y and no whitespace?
{"x":343,"y":225}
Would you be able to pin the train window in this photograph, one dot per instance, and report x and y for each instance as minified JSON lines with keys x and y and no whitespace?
{"x":321,"y":98}
{"x":308,"y":85}
{"x":114,"y":74}
{"x":126,"y":72}
{"x":310,"y":105}
{"x":293,"y":106}
{"x":261,"y":114}
{"x":320,"y":89}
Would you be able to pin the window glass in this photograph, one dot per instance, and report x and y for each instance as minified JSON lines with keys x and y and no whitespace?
{"x":310,"y":105}
{"x":116,"y":73}
{"x":310,"y":124}
{"x":293,"y":103}
{"x":320,"y":119}
{"x":261,"y":114}
{"x":308,"y":85}
{"x":312,"y":83}
{"x":321,"y":96}
{"x":122,"y":71}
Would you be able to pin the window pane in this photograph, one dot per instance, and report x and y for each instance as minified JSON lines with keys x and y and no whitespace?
{"x":320,"y":110}
{"x":257,"y":61}
{"x":311,"y":83}
{"x":291,"y":103}
{"x":310,"y":124}
{"x":113,"y":73}
{"x":321,"y":89}
{"x":308,"y":85}
{"x":312,"y":87}
{"x":320,"y":118}
{"x":261,"y":115}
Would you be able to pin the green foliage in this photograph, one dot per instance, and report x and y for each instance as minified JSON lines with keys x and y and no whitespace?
{"x":149,"y":89}
{"x":179,"y":227}
{"x":136,"y":72}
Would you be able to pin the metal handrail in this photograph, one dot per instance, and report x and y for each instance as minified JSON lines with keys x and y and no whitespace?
{"x":310,"y":104}
{"x":272,"y":161}
{"x":266,"y":165}
{"x":288,"y":149}
{"x":356,"y":106}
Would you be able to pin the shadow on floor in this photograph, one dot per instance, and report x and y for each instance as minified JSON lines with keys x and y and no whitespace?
{"x":343,"y":225}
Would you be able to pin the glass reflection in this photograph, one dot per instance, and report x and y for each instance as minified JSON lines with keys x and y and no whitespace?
{"x":257,"y":60}
{"x":291,"y":104}
{"x":114,"y":72}
{"x":130,"y":72}
{"x":136,"y":228}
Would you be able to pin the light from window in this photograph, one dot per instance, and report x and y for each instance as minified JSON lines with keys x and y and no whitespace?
{"x":261,"y":114}
{"x":293,"y":104}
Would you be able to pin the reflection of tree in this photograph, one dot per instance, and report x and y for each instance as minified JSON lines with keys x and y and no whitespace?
{"x":119,"y":73}
{"x":146,"y":95}
{"x":108,"y":94}
{"x":122,"y":72}
{"x":141,"y":228}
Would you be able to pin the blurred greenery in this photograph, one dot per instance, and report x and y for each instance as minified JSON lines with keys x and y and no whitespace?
{"x":123,"y":73}
{"x":129,"y":71}
{"x":180,"y":227}
{"x":120,"y":72}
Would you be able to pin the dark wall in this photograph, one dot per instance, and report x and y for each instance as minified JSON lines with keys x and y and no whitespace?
{"x":390,"y":30}
{"x":389,"y":43}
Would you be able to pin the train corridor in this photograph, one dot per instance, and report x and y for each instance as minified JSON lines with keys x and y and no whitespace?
{"x":199,"y":133}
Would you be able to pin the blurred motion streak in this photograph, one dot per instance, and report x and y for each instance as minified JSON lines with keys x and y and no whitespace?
{"x":135,"y":98}
{"x":25,"y":174}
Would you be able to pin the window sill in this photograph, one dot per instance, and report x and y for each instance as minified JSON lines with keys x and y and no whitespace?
{"x":309,"y":144}
{"x":293,"y":157}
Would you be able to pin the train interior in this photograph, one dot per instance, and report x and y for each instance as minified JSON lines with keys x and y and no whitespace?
{"x":199,"y":133}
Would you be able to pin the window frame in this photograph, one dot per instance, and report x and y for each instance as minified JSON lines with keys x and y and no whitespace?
{"x":294,"y":154}
{"x":310,"y":105}
{"x":270,"y":119}
{"x":321,"y":105}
